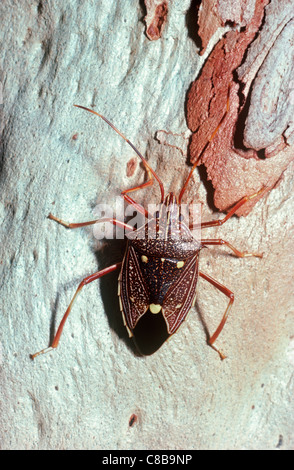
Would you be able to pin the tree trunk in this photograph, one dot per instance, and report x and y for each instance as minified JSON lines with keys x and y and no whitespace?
{"x":58,"y":159}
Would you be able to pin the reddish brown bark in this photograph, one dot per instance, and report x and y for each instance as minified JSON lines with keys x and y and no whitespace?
{"x":214,"y":14}
{"x":131,"y":167}
{"x":156,"y":18}
{"x":234,"y":170}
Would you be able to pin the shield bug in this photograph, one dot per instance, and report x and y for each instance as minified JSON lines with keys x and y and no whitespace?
{"x":160,"y":268}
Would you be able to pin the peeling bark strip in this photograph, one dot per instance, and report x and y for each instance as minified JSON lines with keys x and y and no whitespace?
{"x":208,"y":95}
{"x":271,"y":69}
{"x":270,"y":121}
{"x":156,"y":18}
{"x":234,"y":169}
{"x":214,"y":14}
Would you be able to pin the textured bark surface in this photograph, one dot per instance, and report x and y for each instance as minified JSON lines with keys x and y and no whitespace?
{"x":253,"y":145}
{"x":155,"y":19}
{"x":60,"y":159}
{"x":214,"y":14}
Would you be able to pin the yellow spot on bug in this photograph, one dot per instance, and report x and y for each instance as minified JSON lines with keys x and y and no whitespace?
{"x":163,"y":260}
{"x":179,"y":306}
{"x":155,"y":308}
{"x":144,"y":259}
{"x":180,"y":264}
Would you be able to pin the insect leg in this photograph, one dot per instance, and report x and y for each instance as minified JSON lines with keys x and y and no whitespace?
{"x":85,"y":281}
{"x":229,"y":294}
{"x":147,"y":183}
{"x":240,"y":254}
{"x":91,"y":222}
{"x":137,"y":206}
{"x":215,"y":223}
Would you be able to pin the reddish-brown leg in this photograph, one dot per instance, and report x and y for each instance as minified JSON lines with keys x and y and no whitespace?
{"x":133,"y":203}
{"x":240,"y":254}
{"x":91,"y":222}
{"x":229,"y":294}
{"x":216,"y":223}
{"x":147,"y":183}
{"x":85,"y":281}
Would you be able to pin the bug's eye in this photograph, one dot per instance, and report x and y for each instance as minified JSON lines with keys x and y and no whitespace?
{"x":181,"y":217}
{"x":156,"y":215}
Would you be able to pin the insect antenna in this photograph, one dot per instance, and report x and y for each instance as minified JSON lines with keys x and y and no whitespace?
{"x":149,"y":169}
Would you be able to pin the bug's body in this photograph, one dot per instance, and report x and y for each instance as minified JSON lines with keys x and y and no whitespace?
{"x":160,"y":270}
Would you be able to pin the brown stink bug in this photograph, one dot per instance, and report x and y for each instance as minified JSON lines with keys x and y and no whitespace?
{"x":159,"y":271}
